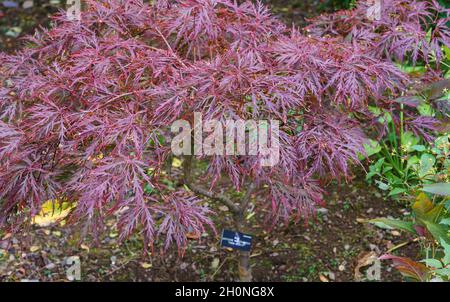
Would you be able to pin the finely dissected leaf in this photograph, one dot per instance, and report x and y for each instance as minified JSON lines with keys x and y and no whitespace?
{"x":402,"y":30}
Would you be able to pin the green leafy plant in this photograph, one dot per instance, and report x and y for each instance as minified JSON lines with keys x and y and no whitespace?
{"x":408,"y":155}
{"x":403,"y":162}
{"x":430,"y":223}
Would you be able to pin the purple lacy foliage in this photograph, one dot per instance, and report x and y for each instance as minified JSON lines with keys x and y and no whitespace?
{"x":423,"y":126}
{"x":328,"y":143}
{"x":343,"y":72}
{"x":294,"y":199}
{"x":84,"y":107}
{"x":406,"y":29}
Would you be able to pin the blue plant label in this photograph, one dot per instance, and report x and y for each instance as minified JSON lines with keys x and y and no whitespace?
{"x":10,"y":4}
{"x":236,"y":240}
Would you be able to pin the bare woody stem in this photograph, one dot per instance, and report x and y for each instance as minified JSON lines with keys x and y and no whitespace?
{"x":248,"y":196}
{"x":187,"y":169}
{"x":245,"y":273}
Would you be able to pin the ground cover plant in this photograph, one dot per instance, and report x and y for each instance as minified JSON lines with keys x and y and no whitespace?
{"x":86,"y":109}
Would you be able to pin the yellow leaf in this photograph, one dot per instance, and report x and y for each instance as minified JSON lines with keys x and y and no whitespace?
{"x":176,"y":162}
{"x":395,"y":233}
{"x":423,"y":204}
{"x":34,"y":248}
{"x":96,"y":158}
{"x":250,"y":216}
{"x":146,"y":265}
{"x":215,"y":263}
{"x":52,"y":211}
{"x":85,"y":247}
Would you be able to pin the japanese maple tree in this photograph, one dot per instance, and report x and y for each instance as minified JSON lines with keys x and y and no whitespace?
{"x":86,"y":108}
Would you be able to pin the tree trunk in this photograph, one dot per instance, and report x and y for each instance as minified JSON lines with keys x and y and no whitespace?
{"x":245,"y":274}
{"x":245,"y":271}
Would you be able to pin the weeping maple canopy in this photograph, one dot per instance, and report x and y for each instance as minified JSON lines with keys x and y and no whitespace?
{"x":86,"y":109}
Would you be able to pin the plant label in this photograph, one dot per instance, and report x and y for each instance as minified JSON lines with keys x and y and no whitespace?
{"x":236,"y":240}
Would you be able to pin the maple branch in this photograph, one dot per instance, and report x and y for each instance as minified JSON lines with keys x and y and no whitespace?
{"x":187,"y":169}
{"x":248,"y":196}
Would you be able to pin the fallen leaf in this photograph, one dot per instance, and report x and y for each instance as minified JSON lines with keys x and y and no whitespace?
{"x":176,"y":162}
{"x":223,"y":208}
{"x":193,"y":236}
{"x":323,"y":278}
{"x":146,"y":265}
{"x":256,"y":254}
{"x":215,"y":263}
{"x":250,"y":216}
{"x":331,"y":275}
{"x":366,"y":260}
{"x":27,"y":4}
{"x":34,"y":248}
{"x":52,"y":211}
